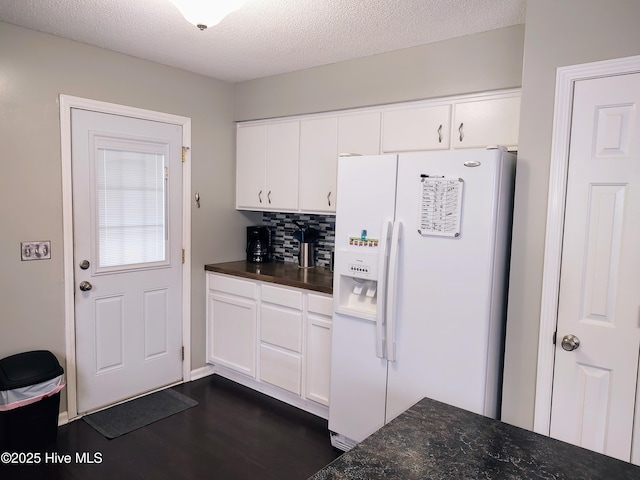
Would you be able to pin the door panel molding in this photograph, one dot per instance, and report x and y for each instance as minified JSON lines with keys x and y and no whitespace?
{"x":565,"y":80}
{"x":68,"y":102}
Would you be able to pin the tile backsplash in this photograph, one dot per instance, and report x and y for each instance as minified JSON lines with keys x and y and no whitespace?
{"x":285,"y":247}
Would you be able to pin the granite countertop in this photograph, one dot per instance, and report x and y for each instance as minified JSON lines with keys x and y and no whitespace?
{"x":433,"y":440}
{"x":319,"y":279}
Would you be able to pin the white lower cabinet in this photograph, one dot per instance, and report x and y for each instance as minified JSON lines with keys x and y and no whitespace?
{"x":319,"y":310}
{"x":278,"y":338}
{"x":318,"y":359}
{"x":231,"y":323}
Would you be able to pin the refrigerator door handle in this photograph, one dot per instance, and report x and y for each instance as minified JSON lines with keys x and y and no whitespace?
{"x":392,"y":290}
{"x":382,"y":277}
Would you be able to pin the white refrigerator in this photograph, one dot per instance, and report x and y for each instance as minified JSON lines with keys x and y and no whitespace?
{"x":422,"y":245}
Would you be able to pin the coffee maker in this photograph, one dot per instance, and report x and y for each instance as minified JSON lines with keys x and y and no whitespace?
{"x":258,"y":244}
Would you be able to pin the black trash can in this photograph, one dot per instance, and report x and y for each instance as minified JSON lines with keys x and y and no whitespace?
{"x":30,"y":385}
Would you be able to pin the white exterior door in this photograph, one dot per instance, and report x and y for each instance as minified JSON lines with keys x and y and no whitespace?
{"x":127,"y":214}
{"x":594,"y":388}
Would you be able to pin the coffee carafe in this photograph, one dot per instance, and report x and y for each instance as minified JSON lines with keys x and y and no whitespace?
{"x":307,"y":238}
{"x":258,"y":244}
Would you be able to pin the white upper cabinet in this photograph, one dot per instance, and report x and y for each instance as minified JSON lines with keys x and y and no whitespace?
{"x":492,"y":121}
{"x":267,"y":166}
{"x":290,"y":164}
{"x":322,"y":140}
{"x":318,"y":163}
{"x":283,"y":148}
{"x":416,"y":128}
{"x":250,"y":165}
{"x":359,"y":134}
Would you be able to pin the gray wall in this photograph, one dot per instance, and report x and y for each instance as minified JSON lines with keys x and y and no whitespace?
{"x":558,"y":33}
{"x":475,"y":63}
{"x":34,"y":69}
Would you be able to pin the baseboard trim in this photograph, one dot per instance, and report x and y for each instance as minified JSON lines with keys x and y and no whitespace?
{"x":202,"y":372}
{"x":312,"y":407}
{"x":63,"y":418}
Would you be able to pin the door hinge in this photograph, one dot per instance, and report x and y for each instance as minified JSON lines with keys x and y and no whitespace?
{"x":182,"y":353}
{"x":184,"y":154}
{"x":183,"y":255}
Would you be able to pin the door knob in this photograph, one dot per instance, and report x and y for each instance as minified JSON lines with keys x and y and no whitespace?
{"x":85,"y":286}
{"x":570,"y":342}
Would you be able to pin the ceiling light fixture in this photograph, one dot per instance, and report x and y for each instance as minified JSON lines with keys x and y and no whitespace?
{"x":206,"y":13}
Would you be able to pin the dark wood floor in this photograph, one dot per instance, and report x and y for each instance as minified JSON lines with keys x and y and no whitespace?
{"x":234,"y":433}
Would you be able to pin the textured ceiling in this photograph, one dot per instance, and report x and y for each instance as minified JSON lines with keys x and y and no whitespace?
{"x":264,"y":37}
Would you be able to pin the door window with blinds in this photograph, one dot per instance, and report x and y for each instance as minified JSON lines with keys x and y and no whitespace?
{"x":130,"y":224}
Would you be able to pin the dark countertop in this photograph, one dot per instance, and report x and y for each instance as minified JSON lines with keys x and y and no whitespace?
{"x":319,"y":279}
{"x":433,"y":440}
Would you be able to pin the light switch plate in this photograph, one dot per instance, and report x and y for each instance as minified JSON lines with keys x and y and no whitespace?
{"x":35,"y":250}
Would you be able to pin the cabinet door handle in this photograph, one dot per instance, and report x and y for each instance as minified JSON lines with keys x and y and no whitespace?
{"x":329,"y":198}
{"x":461,"y":131}
{"x":269,"y":197}
{"x":260,"y":196}
{"x":440,"y":134}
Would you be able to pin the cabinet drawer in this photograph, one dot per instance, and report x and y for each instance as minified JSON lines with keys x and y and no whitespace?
{"x":281,"y":327}
{"x":320,"y":304}
{"x":234,"y":286}
{"x":282,"y":296}
{"x":282,"y":369}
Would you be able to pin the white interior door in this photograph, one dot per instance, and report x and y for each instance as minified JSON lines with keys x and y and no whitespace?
{"x":594,"y":388}
{"x":127,"y":216}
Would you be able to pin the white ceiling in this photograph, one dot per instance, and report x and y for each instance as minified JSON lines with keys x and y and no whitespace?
{"x":264,"y":37}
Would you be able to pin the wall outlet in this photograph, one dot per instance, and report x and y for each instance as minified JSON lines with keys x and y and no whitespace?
{"x":35,"y":250}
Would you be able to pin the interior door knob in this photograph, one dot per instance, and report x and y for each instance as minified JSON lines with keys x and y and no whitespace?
{"x":570,"y":342}
{"x":85,"y":286}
